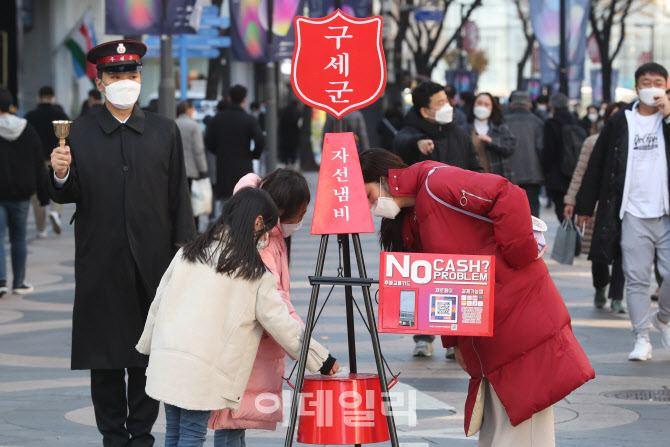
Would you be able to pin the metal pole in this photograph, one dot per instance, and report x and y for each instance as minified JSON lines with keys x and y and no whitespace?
{"x":348,"y":295}
{"x":349,"y":302}
{"x":305,"y":345}
{"x":349,"y":305}
{"x":166,"y":102}
{"x":183,"y":69}
{"x":270,"y":98}
{"x":393,"y":435}
{"x":461,"y":58}
{"x":563,"y":63}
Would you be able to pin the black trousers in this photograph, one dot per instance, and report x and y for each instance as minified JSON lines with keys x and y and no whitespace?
{"x":557,"y":197}
{"x":533,"y":193}
{"x":124,"y":417}
{"x":601,"y":278}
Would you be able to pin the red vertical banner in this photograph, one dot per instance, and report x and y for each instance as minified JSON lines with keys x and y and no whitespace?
{"x":341,"y":205}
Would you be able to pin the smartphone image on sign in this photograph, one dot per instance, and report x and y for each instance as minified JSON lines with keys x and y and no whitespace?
{"x":407,"y":307}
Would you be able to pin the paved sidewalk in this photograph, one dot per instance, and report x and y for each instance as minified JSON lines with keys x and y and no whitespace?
{"x":43,"y":403}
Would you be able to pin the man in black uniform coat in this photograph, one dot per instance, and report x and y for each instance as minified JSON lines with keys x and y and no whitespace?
{"x":228,"y":136}
{"x":124,"y":168}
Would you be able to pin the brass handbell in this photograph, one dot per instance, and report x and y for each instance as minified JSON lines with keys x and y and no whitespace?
{"x":62,"y":130}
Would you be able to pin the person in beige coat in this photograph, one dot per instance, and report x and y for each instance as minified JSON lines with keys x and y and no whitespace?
{"x":599,"y":270}
{"x":207,"y":319}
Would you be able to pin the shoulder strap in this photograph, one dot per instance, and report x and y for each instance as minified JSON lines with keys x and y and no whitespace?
{"x":476,"y":216}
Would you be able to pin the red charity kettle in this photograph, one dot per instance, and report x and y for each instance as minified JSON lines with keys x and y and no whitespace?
{"x":343,"y":410}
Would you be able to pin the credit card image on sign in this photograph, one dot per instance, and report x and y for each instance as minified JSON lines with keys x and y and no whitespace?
{"x":407,"y":307}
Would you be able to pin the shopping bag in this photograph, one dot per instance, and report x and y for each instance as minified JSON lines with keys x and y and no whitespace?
{"x":201,"y":196}
{"x":565,"y":244}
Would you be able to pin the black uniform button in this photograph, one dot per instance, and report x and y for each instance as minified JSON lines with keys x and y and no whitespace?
{"x":125,"y":169}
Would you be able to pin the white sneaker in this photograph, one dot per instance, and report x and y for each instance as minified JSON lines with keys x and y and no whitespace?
{"x":23,"y":289}
{"x":663,"y":328}
{"x":642,"y":350}
{"x":42,"y":234}
{"x":55,"y":222}
{"x":450,"y":354}
{"x":423,"y":349}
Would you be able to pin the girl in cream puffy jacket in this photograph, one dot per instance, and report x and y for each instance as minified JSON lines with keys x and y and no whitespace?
{"x":208,"y":316}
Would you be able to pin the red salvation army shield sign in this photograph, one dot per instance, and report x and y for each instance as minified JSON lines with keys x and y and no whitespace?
{"x":338,"y":62}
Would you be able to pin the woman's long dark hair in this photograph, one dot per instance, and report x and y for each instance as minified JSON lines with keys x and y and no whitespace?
{"x":290,"y":192}
{"x":496,"y":117}
{"x":375,"y":164}
{"x":234,"y":237}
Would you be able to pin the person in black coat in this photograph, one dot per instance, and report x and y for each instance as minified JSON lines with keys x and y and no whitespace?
{"x":41,"y":119}
{"x":93,"y":103}
{"x":431,"y":134}
{"x":124,"y":169}
{"x":228,"y":136}
{"x":388,"y":127}
{"x":556,"y":181}
{"x":289,"y":132}
{"x":22,"y":173}
{"x":492,"y":138}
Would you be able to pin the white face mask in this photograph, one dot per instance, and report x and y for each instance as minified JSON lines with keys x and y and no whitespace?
{"x":541,"y":108}
{"x":288,"y":229}
{"x":445,"y":115}
{"x":482,"y":113}
{"x":601,"y":112}
{"x":593,"y":117}
{"x":261,"y":244}
{"x":648,"y":95}
{"x":123,"y":94}
{"x":385,"y":206}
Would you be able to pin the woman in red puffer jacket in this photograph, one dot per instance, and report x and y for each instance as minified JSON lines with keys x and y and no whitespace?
{"x":532,"y":360}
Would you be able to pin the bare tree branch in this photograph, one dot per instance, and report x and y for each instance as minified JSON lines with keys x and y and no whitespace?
{"x":441,"y":53}
{"x":415,"y":33}
{"x":445,"y":8}
{"x":623,"y":29}
{"x":395,"y":19}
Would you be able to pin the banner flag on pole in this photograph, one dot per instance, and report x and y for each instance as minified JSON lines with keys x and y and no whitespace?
{"x":545,"y":17}
{"x":79,"y":42}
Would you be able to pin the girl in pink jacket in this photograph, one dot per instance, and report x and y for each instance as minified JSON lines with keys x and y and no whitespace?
{"x":290,"y":192}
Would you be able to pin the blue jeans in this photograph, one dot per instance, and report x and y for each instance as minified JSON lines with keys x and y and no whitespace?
{"x":185,"y":428}
{"x":229,"y":438}
{"x":15,"y":216}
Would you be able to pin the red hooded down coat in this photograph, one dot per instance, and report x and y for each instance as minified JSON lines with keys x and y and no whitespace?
{"x":533,"y":360}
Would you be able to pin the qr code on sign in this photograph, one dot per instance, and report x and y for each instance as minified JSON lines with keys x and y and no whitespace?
{"x":443,"y":309}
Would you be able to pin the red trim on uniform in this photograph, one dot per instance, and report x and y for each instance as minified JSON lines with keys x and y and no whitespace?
{"x":118,"y":58}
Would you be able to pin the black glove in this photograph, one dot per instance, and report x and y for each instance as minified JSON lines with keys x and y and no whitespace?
{"x":328,"y":365}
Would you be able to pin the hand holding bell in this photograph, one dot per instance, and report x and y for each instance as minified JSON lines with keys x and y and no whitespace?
{"x":62,"y":130}
{"x":60,"y":157}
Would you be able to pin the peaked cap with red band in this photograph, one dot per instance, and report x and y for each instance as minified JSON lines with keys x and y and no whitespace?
{"x":118,"y":56}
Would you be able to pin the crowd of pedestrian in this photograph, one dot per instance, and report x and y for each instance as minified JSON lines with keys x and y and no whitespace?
{"x":614,"y":156}
{"x":226,"y":291}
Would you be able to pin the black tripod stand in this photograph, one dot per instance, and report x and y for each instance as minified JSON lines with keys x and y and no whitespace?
{"x":348,"y":282}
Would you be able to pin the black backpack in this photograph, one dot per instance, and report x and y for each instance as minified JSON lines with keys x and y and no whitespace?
{"x":573,"y":139}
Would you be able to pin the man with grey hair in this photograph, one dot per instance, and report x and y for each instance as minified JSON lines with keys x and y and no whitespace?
{"x":526,"y":162}
{"x":563,"y":138}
